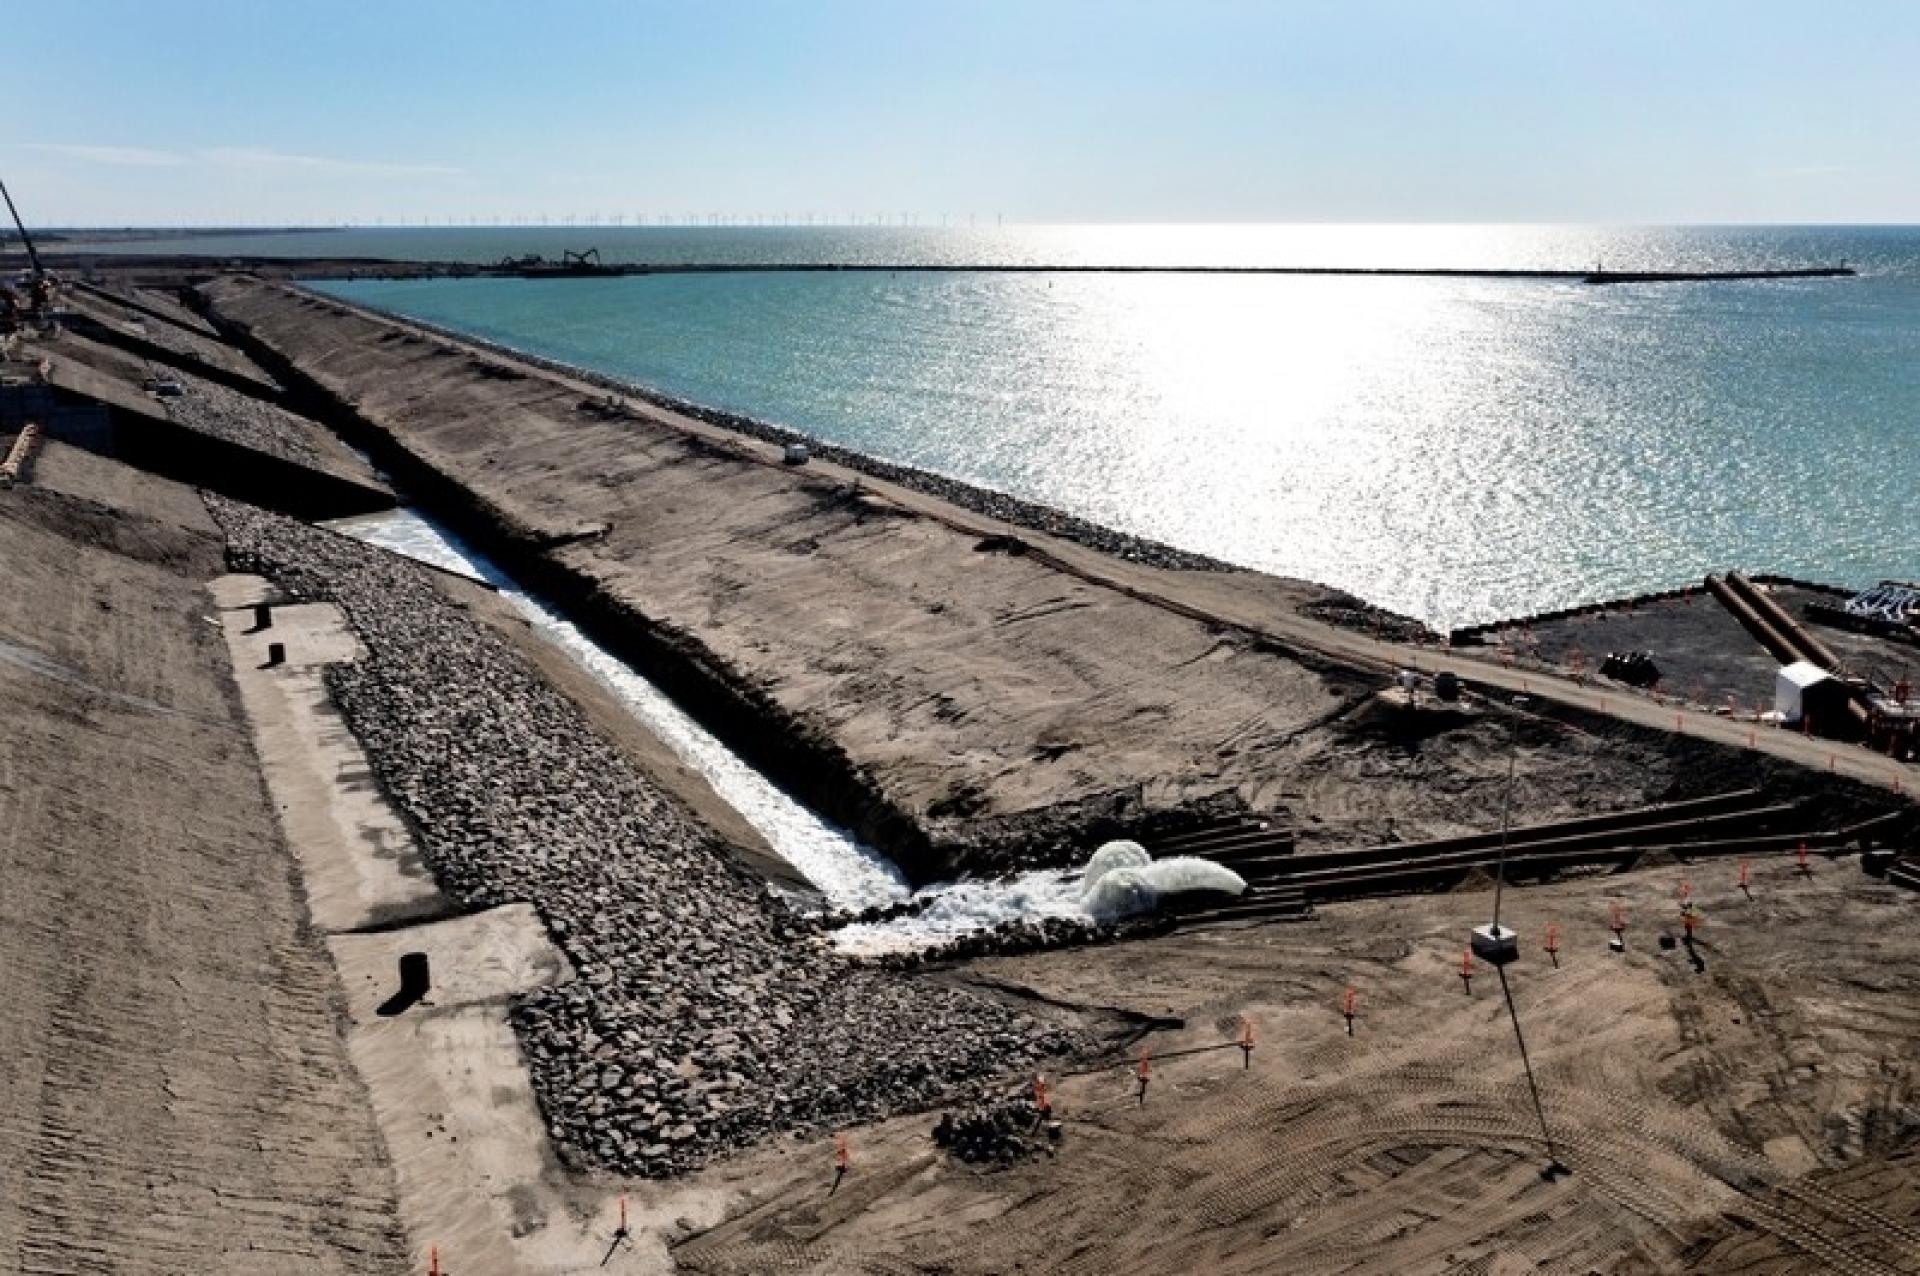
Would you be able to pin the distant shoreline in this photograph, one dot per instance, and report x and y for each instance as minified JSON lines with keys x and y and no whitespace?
{"x":375,"y":268}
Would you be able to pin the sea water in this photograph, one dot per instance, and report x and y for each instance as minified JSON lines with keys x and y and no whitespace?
{"x":1457,"y":449}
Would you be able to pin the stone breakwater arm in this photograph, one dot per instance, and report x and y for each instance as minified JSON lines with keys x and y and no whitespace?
{"x":955,"y":698}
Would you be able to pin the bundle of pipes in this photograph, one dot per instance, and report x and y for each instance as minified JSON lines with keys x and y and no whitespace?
{"x":1810,"y":648}
{"x":1786,"y":638}
{"x":14,"y":467}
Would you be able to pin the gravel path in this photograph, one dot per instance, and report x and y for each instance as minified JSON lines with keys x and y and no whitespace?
{"x":704,"y":1016}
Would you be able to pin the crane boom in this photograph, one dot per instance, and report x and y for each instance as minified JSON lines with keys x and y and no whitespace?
{"x":25,"y":238}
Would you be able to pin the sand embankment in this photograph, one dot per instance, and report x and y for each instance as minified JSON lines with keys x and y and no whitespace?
{"x":940,"y":689}
{"x":174,"y":1092}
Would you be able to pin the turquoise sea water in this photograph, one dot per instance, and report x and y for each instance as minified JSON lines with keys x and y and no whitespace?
{"x":1456,"y":449}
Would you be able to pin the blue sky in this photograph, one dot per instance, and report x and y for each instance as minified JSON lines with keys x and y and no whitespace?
{"x":269,"y":111}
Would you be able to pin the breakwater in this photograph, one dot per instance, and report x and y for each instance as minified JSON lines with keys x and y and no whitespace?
{"x":560,"y":270}
{"x":186,"y":268}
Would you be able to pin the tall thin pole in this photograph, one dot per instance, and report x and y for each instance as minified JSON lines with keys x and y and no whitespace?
{"x":1506,"y":824}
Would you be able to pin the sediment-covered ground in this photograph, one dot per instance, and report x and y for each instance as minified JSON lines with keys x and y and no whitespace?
{"x":172,"y":1085}
{"x":704,"y":1017}
{"x":1743,"y":1104}
{"x":174,"y":1093}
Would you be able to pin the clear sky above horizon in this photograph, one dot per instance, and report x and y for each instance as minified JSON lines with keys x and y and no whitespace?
{"x":172,"y":112}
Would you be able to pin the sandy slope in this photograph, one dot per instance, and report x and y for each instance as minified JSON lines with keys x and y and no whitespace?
{"x":174,"y":1093}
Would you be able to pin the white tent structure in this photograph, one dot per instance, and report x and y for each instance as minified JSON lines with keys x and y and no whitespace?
{"x":1796,"y":686}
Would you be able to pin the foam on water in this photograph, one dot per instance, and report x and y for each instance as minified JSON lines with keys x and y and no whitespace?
{"x":956,"y":909}
{"x":1120,"y":880}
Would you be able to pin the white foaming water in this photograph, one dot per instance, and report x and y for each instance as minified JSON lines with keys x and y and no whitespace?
{"x":848,"y":874}
{"x":1120,"y":880}
{"x":955,"y":909}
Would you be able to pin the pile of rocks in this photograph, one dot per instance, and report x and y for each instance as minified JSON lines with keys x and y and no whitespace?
{"x":998,"y":1131}
{"x":1347,"y":612}
{"x":704,"y":1015}
{"x":208,"y":407}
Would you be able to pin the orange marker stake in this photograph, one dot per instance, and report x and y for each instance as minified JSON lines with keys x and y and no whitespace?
{"x":1802,"y":867}
{"x":1246,"y":1043}
{"x":621,"y":1235}
{"x":1745,"y":872}
{"x":1618,"y":923}
{"x":1553,"y":944}
{"x":842,"y":1161}
{"x":433,"y":1260}
{"x":1466,"y":970}
{"x":1349,"y":1006}
{"x":1040,"y":1101}
{"x":1144,"y":1072}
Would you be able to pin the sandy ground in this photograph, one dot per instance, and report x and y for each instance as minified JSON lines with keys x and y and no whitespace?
{"x":174,"y":1093}
{"x":1704,"y":1112}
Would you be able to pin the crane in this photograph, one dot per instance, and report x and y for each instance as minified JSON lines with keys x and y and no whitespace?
{"x":32,"y":257}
